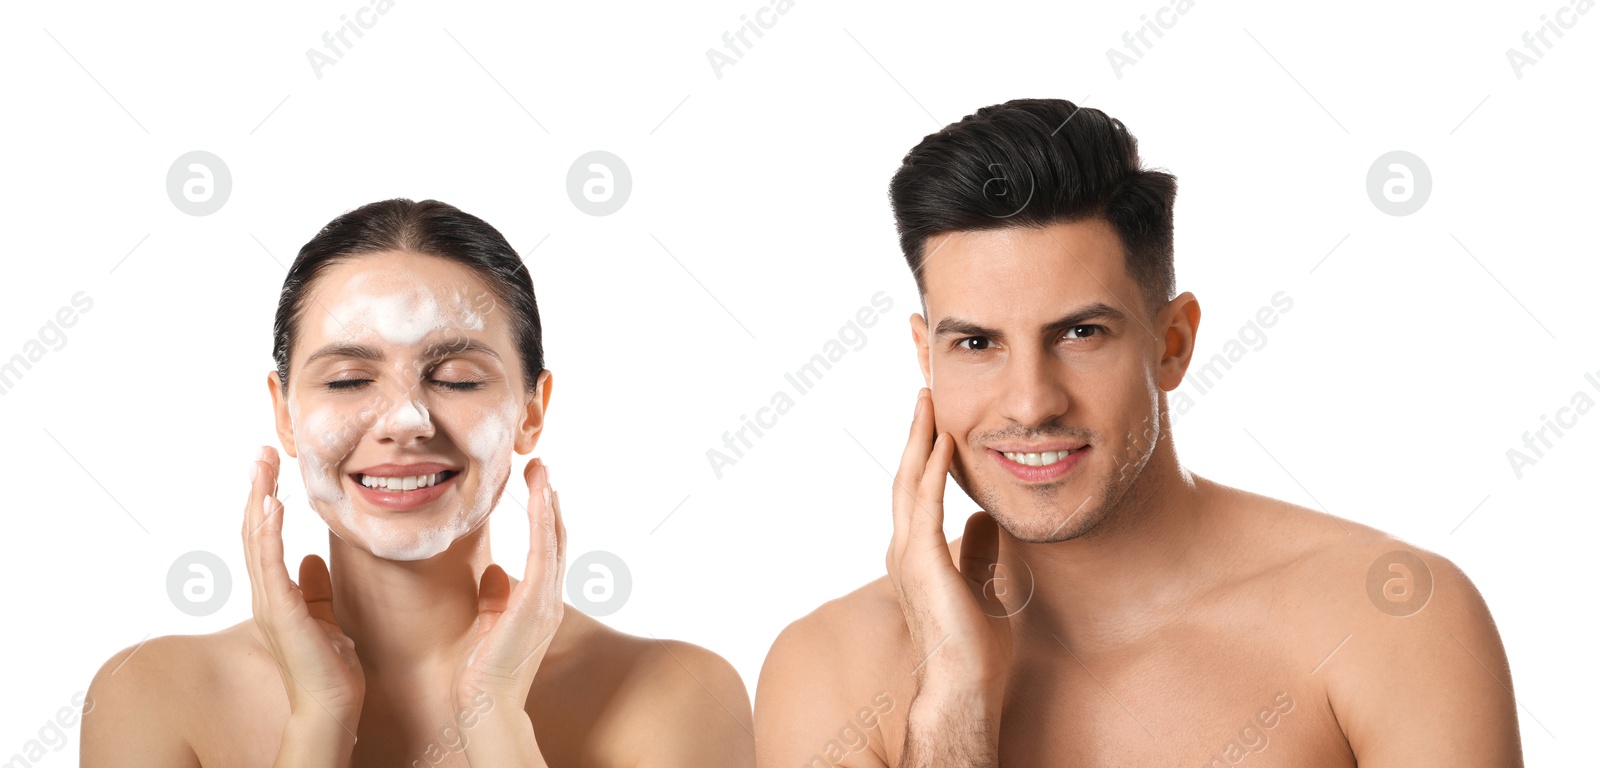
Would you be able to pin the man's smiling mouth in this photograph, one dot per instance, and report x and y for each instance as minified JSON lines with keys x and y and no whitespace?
{"x":1043,"y":459}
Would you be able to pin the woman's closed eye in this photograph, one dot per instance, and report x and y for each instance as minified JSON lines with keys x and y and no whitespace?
{"x":347,"y":385}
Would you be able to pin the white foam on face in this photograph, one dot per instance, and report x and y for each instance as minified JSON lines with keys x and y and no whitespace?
{"x":397,"y":308}
{"x":490,"y":444}
{"x":402,"y":313}
{"x":411,"y":415}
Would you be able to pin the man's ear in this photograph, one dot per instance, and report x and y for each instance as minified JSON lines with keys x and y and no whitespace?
{"x":1180,"y":324}
{"x":919,"y":336}
{"x":532,"y":416}
{"x":280,"y":414}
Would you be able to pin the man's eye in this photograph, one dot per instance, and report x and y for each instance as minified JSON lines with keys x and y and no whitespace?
{"x":965,"y":344}
{"x":1092,"y":329}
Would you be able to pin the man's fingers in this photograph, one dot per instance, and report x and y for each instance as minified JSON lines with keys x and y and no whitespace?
{"x":920,"y":437}
{"x":317,"y":589}
{"x":927,"y":517}
{"x":980,"y":556}
{"x":913,"y":461}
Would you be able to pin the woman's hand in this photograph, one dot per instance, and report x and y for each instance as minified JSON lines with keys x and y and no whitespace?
{"x":316,"y":660}
{"x":513,"y":631}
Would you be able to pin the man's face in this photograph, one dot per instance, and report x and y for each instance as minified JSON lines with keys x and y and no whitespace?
{"x":1040,"y":342}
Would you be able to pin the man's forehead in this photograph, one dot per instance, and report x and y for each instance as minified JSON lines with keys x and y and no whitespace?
{"x":1024,"y":272}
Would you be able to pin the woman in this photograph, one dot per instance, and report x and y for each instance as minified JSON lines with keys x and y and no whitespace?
{"x":409,"y":367}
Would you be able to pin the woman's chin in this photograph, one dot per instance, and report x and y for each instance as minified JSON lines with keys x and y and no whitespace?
{"x":404,"y":536}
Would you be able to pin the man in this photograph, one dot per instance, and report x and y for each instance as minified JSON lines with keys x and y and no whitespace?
{"x":1107,"y":606}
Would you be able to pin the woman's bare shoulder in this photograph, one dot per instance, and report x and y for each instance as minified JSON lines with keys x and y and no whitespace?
{"x":144,"y":700}
{"x":650,"y":694}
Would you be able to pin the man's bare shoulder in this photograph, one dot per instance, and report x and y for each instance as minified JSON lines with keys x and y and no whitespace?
{"x":862,"y":632}
{"x":837,"y":682}
{"x":1396,"y":632}
{"x":1339,"y":565}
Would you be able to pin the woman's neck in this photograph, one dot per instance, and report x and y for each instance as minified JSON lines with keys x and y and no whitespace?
{"x":407,"y":617}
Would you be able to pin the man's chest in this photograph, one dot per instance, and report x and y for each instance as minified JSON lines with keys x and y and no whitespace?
{"x":1179,"y":700}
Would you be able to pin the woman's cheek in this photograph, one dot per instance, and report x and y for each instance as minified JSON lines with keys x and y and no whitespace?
{"x":323,"y":438}
{"x":490,"y":443}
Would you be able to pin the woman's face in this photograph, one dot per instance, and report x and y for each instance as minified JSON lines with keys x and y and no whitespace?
{"x":405,"y":402}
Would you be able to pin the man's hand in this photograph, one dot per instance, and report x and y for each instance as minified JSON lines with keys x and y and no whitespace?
{"x":959,"y":633}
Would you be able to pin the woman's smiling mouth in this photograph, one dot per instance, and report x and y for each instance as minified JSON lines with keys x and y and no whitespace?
{"x":404,"y":487}
{"x":402,"y":484}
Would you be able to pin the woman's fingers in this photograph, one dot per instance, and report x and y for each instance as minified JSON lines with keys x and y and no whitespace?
{"x":494,"y":590}
{"x":539,"y":592}
{"x":263,"y":537}
{"x":270,"y":566}
{"x":546,"y":534}
{"x":316,"y":587}
{"x":555,"y":561}
{"x":262,"y":478}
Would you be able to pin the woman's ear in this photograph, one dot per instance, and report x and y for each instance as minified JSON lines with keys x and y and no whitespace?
{"x":531,"y":418}
{"x":280,"y":414}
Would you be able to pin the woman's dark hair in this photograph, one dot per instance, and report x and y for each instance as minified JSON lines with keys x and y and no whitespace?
{"x":431,"y":228}
{"x":1033,"y":163}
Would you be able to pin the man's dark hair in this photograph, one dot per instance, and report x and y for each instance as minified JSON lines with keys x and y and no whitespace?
{"x":1033,"y":163}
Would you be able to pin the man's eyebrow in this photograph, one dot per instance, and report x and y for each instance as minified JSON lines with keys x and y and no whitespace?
{"x":434,"y":351}
{"x":1097,"y":311}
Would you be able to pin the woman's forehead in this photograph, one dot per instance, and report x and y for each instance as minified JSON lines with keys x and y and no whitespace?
{"x":400,"y":299}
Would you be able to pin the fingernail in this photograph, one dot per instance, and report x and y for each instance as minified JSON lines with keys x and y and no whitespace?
{"x":547,"y":501}
{"x":265,"y":454}
{"x":255,"y":470}
{"x":536,"y":468}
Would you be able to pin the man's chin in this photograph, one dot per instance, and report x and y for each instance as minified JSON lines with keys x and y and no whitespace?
{"x":1039,"y":527}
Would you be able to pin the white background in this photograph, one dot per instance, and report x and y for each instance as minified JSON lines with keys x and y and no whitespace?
{"x":1417,"y":352}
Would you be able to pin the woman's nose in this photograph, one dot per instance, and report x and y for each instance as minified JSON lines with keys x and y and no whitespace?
{"x":406,"y":421}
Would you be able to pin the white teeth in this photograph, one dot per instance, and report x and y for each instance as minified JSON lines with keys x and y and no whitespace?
{"x":401,"y":483}
{"x":1038,"y":459}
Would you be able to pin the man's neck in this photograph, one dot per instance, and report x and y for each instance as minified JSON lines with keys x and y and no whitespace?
{"x":1139,"y":560}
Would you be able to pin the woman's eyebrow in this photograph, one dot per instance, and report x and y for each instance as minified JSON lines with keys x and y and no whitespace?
{"x":440,"y":349}
{"x":434,"y":351}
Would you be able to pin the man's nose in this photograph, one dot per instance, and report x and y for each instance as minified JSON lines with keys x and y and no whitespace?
{"x":1035,"y":390}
